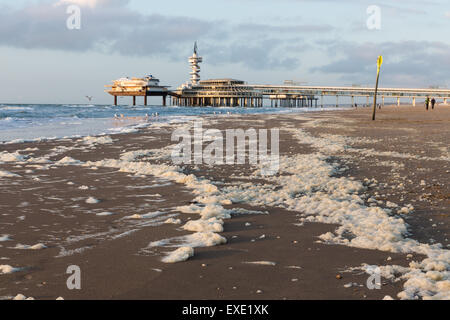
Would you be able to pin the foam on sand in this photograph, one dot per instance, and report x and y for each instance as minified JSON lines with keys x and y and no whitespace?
{"x":262,"y":263}
{"x":4,"y":238}
{"x":310,"y":185}
{"x":146,"y":216}
{"x":105,"y":214}
{"x":92,"y":200}
{"x":7,"y":269}
{"x":179,"y":255}
{"x":67,"y":161}
{"x":38,"y":246}
{"x":196,"y":240}
{"x":97,"y":140}
{"x":7,"y":174}
{"x":22,"y":297}
{"x":11,"y":157}
{"x":210,"y":225}
{"x":209,"y":199}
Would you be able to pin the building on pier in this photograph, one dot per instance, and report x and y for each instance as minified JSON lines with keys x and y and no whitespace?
{"x":214,"y":92}
{"x":138,"y":87}
{"x":218,"y":93}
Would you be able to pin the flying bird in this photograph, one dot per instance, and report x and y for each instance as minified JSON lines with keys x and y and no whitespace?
{"x":89,"y":98}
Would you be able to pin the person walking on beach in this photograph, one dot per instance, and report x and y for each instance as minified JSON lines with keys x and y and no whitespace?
{"x":427,"y":103}
{"x":433,"y":103}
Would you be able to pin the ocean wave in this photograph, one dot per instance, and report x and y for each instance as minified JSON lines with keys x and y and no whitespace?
{"x":10,"y":108}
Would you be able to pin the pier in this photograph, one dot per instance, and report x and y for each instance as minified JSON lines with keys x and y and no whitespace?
{"x":230,"y":92}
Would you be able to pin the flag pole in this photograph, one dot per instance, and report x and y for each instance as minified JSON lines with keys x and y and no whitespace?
{"x":379,"y":63}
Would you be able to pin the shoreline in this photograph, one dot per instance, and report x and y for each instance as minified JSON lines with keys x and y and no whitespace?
{"x":135,"y":118}
{"x":114,"y":253}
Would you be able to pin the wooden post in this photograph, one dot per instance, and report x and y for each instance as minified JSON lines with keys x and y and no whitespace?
{"x":115,"y":100}
{"x":134,"y":100}
{"x":164,"y":100}
{"x":145,"y":100}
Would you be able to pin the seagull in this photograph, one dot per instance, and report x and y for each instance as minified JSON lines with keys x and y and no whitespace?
{"x":89,"y":98}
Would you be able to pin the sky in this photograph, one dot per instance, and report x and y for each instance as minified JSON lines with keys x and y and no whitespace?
{"x":313,"y":42}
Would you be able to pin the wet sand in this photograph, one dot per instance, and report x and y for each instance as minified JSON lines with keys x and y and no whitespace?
{"x":113,"y":253}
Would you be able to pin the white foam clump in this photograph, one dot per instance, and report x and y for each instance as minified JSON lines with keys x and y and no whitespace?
{"x":195,"y":240}
{"x":179,"y":255}
{"x":145,"y":216}
{"x":4,"y":238}
{"x":67,"y":161}
{"x":22,"y":297}
{"x":172,"y":221}
{"x":97,"y":140}
{"x":7,"y":174}
{"x":11,"y":157}
{"x":210,"y":225}
{"x":207,"y":212}
{"x":92,"y":200}
{"x":262,"y":263}
{"x":7,"y":269}
{"x":38,"y":246}
{"x":105,"y":214}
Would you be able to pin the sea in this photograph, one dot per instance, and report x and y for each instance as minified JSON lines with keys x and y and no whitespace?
{"x":32,"y":122}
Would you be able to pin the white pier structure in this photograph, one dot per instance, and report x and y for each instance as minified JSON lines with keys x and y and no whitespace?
{"x":294,"y":94}
{"x":236,"y":93}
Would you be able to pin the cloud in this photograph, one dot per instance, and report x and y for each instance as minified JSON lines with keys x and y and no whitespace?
{"x":106,"y":25}
{"x":92,"y":3}
{"x":267,"y":53}
{"x":414,"y":63}
{"x":285,"y":29}
{"x":110,"y":26}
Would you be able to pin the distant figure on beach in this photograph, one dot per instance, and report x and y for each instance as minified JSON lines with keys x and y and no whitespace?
{"x":433,"y":103}
{"x":427,"y":103}
{"x":356,"y":105}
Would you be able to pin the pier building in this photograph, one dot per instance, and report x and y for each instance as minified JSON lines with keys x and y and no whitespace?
{"x":138,"y":87}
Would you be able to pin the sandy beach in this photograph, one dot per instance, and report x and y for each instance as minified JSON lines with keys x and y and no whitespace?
{"x":350,"y":193}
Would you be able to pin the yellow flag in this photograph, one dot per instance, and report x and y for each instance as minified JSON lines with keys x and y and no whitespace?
{"x":379,"y":62}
